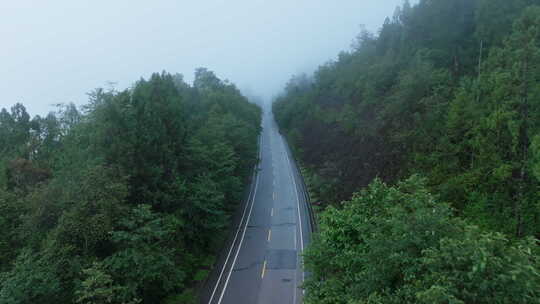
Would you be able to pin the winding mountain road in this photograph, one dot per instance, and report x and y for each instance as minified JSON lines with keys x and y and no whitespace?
{"x":262,"y":263}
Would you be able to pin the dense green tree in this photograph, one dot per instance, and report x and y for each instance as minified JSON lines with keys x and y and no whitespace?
{"x":98,"y":288}
{"x":127,"y":199}
{"x":144,"y":262}
{"x":492,"y":124}
{"x":31,"y":280}
{"x":449,"y":89}
{"x":455,"y":102}
{"x":399,"y":245}
{"x":10,"y":222}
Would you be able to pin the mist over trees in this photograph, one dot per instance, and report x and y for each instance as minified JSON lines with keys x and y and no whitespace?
{"x":127,"y":199}
{"x":447,"y":90}
{"x":420,"y":147}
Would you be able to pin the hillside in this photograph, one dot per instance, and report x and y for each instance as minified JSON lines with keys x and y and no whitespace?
{"x":127,"y":199}
{"x":439,"y":109}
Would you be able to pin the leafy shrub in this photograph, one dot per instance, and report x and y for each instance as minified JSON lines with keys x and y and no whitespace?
{"x":399,"y":245}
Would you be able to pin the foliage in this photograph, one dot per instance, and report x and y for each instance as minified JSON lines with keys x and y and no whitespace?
{"x":98,"y":288}
{"x":449,"y":90}
{"x":400,"y":245}
{"x":127,"y":199}
{"x":144,"y":262}
{"x":31,"y":280}
{"x":442,"y":91}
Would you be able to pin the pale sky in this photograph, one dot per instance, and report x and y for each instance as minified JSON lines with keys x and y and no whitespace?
{"x":55,"y":51}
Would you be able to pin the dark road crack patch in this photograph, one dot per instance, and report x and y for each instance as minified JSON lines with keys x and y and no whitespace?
{"x":255,"y":226}
{"x":284,"y":224}
{"x":252,"y":265}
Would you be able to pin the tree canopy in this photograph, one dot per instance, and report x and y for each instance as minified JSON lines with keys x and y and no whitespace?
{"x":126,"y":199}
{"x":448,"y":90}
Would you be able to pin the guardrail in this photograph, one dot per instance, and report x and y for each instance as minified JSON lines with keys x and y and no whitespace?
{"x":305,"y":193}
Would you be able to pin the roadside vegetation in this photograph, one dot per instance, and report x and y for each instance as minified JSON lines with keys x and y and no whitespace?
{"x":126,"y":199}
{"x":422,"y":145}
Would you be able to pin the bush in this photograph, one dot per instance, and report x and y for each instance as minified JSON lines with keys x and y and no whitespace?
{"x":399,"y":245}
{"x":481,"y":267}
{"x":32,"y":280}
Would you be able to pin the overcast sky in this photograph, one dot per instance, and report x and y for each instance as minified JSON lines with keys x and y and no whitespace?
{"x":57,"y":50}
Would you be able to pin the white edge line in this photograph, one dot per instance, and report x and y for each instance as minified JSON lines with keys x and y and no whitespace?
{"x":242,"y":238}
{"x":297,"y":199}
{"x":297,"y":207}
{"x":236,"y":235}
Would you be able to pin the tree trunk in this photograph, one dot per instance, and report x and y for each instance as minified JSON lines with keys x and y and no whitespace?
{"x":479,"y":70}
{"x":524,"y":143}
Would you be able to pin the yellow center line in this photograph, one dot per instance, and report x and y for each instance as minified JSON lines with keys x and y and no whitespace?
{"x":263,"y":270}
{"x":269,"y":234}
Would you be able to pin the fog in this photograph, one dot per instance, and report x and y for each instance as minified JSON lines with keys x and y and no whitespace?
{"x":56,"y":51}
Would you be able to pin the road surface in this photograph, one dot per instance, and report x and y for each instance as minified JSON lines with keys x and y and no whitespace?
{"x":262,"y":263}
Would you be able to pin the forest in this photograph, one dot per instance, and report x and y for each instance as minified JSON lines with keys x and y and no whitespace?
{"x":126,"y":199}
{"x":421,"y":149}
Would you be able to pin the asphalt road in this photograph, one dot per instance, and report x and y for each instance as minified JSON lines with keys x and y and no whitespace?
{"x":262,"y":262}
